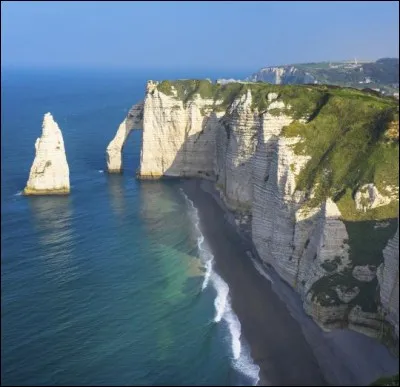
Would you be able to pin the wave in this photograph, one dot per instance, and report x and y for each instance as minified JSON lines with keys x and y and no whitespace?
{"x":208,"y":266}
{"x":241,"y":359}
{"x":221,"y":300}
{"x":100,"y":171}
{"x":204,"y":251}
{"x":19,"y":193}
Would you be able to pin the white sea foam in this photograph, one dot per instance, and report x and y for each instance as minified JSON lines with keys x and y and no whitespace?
{"x":241,"y":359}
{"x":221,"y":300}
{"x":19,"y":193}
{"x":100,"y":171}
{"x":207,"y":275}
{"x":205,"y":253}
{"x":261,"y":270}
{"x":234,"y":329}
{"x":245,"y":365}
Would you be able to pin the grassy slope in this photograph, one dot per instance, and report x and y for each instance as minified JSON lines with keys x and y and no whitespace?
{"x":349,"y":146}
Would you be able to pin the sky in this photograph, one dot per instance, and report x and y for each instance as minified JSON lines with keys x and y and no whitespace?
{"x":173,"y":35}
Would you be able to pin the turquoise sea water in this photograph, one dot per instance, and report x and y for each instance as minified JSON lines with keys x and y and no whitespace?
{"x":111,"y":285}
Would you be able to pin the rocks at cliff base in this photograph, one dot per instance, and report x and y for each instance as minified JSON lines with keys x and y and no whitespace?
{"x":49,"y":173}
{"x":134,"y":120}
{"x":364,"y":273}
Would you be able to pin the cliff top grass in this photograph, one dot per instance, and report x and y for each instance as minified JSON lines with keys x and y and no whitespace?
{"x":188,"y":88}
{"x":352,"y":135}
{"x":303,"y":99}
{"x":353,"y":140}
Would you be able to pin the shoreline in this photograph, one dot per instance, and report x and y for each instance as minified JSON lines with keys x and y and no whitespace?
{"x":287,"y":345}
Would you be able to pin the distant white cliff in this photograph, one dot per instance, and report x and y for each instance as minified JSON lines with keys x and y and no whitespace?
{"x":282,"y":75}
{"x":49,"y":173}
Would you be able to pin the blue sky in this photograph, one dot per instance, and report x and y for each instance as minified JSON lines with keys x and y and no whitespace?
{"x":220,"y":35}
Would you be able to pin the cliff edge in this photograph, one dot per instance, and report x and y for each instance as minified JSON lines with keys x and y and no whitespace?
{"x":311,"y":174}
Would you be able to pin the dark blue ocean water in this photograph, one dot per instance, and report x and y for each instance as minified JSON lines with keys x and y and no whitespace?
{"x":107,"y":285}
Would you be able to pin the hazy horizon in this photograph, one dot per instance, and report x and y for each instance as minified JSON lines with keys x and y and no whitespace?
{"x":230,"y":36}
{"x":177,"y":68}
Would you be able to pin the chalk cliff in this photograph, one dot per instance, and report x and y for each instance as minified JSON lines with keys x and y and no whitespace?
{"x":310,"y":173}
{"x":134,"y":120}
{"x":49,"y":173}
{"x":178,"y":137}
{"x":283,"y":75}
{"x":388,"y":276}
{"x":382,"y":75}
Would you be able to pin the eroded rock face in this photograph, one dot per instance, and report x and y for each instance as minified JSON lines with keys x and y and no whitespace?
{"x":49,"y":173}
{"x":134,"y":120}
{"x":255,"y":168}
{"x":178,"y":138}
{"x":364,"y":273}
{"x":368,"y":197}
{"x":388,"y":276}
{"x":235,"y":149}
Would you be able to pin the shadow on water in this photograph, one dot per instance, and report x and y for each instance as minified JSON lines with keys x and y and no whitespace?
{"x":116,"y":190}
{"x":52,"y":219}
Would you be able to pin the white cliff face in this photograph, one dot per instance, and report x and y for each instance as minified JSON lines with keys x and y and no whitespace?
{"x":282,"y":75}
{"x":388,"y":276}
{"x":178,"y":139}
{"x":49,"y":173}
{"x":134,"y":120}
{"x":326,"y":254}
{"x":368,"y":197}
{"x":255,"y":168}
{"x":234,"y":166}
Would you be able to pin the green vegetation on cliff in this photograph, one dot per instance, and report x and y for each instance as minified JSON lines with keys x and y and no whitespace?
{"x":352,"y":138}
{"x":186,"y":90}
{"x":347,"y":139}
{"x":387,"y":381}
{"x":351,"y":135}
{"x":382,"y":74}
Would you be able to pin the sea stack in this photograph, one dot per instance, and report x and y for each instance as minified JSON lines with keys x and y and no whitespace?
{"x":49,"y":173}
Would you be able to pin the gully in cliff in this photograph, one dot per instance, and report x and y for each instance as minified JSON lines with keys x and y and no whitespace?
{"x":49,"y":173}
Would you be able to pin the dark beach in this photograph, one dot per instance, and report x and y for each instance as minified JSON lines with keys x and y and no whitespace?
{"x":288,"y":346}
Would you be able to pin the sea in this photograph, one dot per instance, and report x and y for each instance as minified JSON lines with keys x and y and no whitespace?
{"x":115,"y":283}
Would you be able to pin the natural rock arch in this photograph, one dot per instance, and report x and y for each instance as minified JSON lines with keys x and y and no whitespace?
{"x":133,"y":121}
